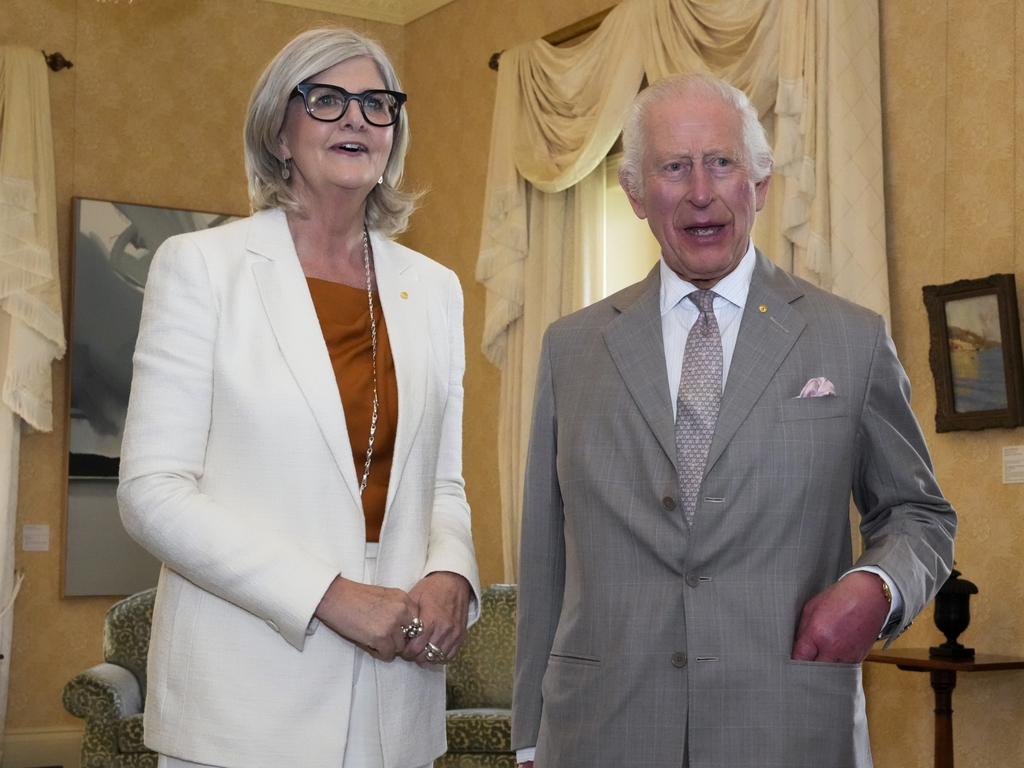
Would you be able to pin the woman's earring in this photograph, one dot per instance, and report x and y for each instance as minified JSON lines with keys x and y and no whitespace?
{"x":286,"y":172}
{"x":380,"y":180}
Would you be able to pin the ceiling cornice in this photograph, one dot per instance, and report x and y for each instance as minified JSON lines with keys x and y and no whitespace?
{"x":399,"y":12}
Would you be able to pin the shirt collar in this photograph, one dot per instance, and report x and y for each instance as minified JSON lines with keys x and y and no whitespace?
{"x":734,"y":287}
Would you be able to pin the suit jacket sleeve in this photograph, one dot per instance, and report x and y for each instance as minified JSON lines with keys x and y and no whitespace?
{"x":164,"y":447}
{"x":542,"y":560}
{"x":451,"y":538}
{"x":906,"y":524}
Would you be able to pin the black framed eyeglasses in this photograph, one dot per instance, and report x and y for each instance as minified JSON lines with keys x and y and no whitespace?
{"x":327,"y":103}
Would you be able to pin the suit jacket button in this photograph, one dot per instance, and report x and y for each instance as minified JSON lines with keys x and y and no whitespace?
{"x":668,"y":503}
{"x":678,"y":659}
{"x":692,"y":579}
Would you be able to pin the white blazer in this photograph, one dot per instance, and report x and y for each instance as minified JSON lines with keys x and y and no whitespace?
{"x":237,"y":472}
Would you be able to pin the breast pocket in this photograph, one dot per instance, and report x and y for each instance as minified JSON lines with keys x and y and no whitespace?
{"x":813,"y":437}
{"x":800,"y":408}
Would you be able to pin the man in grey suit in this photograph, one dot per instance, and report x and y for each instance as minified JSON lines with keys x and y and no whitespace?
{"x":687,"y":591}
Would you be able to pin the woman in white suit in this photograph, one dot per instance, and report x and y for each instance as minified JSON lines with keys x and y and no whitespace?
{"x":293,"y":446}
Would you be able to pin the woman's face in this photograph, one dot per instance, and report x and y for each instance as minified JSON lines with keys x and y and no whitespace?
{"x":347,"y":155}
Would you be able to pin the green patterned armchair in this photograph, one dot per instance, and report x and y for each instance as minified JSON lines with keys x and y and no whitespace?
{"x":110,"y":696}
{"x":480,"y":687}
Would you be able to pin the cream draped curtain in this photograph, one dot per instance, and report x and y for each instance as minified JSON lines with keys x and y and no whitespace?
{"x":810,"y":67}
{"x":31,"y":320}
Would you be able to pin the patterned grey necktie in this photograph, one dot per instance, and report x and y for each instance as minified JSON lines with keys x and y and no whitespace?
{"x":700,"y":394}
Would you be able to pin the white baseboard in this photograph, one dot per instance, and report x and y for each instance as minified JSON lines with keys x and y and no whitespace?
{"x":35,"y":747}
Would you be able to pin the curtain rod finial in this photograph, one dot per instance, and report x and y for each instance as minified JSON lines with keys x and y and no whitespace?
{"x":56,"y":61}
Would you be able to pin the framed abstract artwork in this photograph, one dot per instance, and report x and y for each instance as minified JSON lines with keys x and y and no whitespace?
{"x":975,"y":353}
{"x":114,"y":244}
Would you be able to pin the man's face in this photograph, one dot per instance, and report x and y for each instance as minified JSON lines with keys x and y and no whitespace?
{"x":697,"y":194}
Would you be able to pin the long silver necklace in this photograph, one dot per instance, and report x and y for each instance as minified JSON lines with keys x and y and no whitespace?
{"x":373,"y":360}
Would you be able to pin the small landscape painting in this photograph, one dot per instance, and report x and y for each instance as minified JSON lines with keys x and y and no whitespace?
{"x":975,"y":353}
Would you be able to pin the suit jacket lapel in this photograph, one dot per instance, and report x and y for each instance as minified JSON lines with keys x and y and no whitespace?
{"x":285,"y":295}
{"x":404,"y":304}
{"x":765,"y":338}
{"x":634,"y":340}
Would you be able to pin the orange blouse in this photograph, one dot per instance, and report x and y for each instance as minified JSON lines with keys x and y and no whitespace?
{"x":345,"y":321}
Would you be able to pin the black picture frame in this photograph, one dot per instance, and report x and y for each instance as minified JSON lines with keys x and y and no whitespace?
{"x":975,"y":353}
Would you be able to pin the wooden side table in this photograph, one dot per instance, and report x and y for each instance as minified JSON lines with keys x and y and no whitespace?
{"x":943,"y":677}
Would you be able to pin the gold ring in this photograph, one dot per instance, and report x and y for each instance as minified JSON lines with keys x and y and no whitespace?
{"x":435,"y":654}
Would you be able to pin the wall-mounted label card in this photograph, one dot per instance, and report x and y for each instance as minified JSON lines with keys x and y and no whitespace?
{"x":1013,"y":464}
{"x":35,"y":538}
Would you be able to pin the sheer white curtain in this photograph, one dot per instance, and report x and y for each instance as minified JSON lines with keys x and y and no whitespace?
{"x":31,"y":320}
{"x":810,"y":67}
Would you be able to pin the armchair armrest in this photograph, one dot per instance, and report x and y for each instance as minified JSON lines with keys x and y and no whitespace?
{"x":105,"y":692}
{"x":103,"y":695}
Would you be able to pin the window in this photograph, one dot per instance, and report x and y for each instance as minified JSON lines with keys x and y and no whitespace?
{"x":630,"y":249}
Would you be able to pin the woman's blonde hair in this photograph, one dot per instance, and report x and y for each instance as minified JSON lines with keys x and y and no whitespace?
{"x":387,"y":207}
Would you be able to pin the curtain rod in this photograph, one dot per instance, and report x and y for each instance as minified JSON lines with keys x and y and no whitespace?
{"x":56,"y":61}
{"x":565,"y":34}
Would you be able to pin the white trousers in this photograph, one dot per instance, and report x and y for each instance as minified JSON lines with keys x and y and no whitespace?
{"x":363,"y":750}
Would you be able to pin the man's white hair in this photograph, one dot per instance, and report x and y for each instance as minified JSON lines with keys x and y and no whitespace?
{"x":757,"y":152}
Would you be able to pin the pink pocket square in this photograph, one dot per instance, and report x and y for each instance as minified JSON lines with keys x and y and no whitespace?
{"x":819,"y":386}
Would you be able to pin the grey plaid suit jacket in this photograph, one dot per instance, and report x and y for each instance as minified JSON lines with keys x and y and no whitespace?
{"x":641,"y":640}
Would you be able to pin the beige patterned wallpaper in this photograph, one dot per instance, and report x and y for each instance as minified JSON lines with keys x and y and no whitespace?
{"x":152,"y":113}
